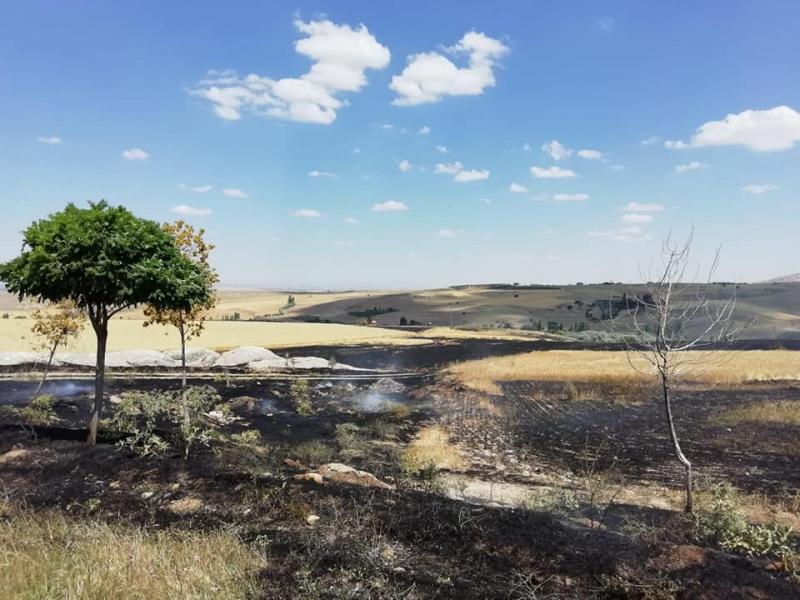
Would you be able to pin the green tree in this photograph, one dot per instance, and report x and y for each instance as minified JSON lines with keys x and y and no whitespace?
{"x":105,"y":260}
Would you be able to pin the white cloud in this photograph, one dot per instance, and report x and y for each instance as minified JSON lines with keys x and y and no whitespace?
{"x":350,"y":220}
{"x":526,"y":147}
{"x":316,"y":174}
{"x":306,"y":213}
{"x":760,"y":130}
{"x":591,"y":154}
{"x":135,"y":154}
{"x":200,"y":189}
{"x":556,"y":150}
{"x":471,"y":175}
{"x":632,"y":233}
{"x":760,"y":188}
{"x":405,"y":166}
{"x":449,"y":233}
{"x":617,"y":168}
{"x":234,"y":193}
{"x":190,"y":211}
{"x":640,"y":207}
{"x":424,"y":130}
{"x":637,"y":218}
{"x":570,"y":197}
{"x":387,"y":126}
{"x":676,"y":145}
{"x":517,"y":188}
{"x":654,"y":139}
{"x":389,"y":206}
{"x":356,"y":150}
{"x":442,"y":149}
{"x":486,"y":200}
{"x":448,"y":168}
{"x":692,"y":166}
{"x":552,"y":173}
{"x":51,"y":140}
{"x":456,"y":169}
{"x":341,"y":56}
{"x":431,"y":76}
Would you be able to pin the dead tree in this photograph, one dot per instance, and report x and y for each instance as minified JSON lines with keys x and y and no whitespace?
{"x":674,"y":317}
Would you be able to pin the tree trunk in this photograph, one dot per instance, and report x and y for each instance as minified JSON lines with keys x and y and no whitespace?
{"x":183,"y":356}
{"x":101,"y":330}
{"x":675,"y":445}
{"x":46,"y":370}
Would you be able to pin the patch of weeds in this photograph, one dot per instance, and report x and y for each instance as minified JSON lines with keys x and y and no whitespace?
{"x":313,"y":453}
{"x":660,"y":588}
{"x":382,"y":429}
{"x":348,"y":437}
{"x":724,"y":525}
{"x":300,"y":397}
{"x":40,"y":410}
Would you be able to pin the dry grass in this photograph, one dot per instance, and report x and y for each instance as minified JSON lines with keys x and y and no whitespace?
{"x":781,"y":411}
{"x":596,"y":366}
{"x":432,"y":447}
{"x":47,"y":555}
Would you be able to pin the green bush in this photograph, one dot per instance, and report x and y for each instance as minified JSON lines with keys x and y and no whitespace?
{"x":300,"y":397}
{"x":40,"y":410}
{"x":725,"y":525}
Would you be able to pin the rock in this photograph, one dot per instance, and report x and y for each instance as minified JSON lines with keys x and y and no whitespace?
{"x":341,"y":473}
{"x":312,"y":519}
{"x":185,"y":506}
{"x":245,"y":355}
{"x":315,"y":477}
{"x":147,"y":495}
{"x":221,"y":418}
{"x":15,"y":454}
{"x":244,"y":403}
{"x":294,"y":464}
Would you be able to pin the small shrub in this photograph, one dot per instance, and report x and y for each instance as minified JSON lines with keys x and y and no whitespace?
{"x":300,"y":397}
{"x":251,"y":437}
{"x":348,"y":436}
{"x":725,"y":525}
{"x":313,"y":453}
{"x":138,"y":415}
{"x":40,"y":410}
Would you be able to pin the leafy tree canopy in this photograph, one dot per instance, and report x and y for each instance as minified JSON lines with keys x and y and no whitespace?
{"x":104,"y":259}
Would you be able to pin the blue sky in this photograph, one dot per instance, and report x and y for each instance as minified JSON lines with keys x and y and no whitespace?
{"x":285,"y":128}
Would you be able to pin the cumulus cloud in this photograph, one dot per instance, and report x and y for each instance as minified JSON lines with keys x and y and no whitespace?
{"x":760,"y":130}
{"x":405,"y":166}
{"x":760,"y":188}
{"x":632,"y":233}
{"x":190,"y":211}
{"x":591,"y":154}
{"x":517,"y":188}
{"x":642,"y":207}
{"x":424,"y":130}
{"x":234,"y":193}
{"x":389,"y":206}
{"x":341,"y":56}
{"x":471,"y":175}
{"x":556,"y":150}
{"x":317,"y":174}
{"x":637,"y":218}
{"x":135,"y":154}
{"x":692,"y":166}
{"x":570,"y":197}
{"x":459,"y":173}
{"x":449,"y":233}
{"x":51,"y":140}
{"x":654,"y":139}
{"x":306,"y":213}
{"x":431,"y":76}
{"x":200,"y":189}
{"x":442,"y":149}
{"x":552,"y":173}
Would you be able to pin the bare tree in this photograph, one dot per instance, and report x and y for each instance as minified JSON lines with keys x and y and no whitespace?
{"x":674,"y":317}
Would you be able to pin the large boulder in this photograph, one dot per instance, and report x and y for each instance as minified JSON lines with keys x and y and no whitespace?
{"x":244,"y":355}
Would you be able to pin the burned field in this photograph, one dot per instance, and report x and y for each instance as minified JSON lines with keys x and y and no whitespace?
{"x":541,"y":489}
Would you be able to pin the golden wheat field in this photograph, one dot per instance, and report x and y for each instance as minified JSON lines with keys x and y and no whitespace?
{"x":721,"y":367}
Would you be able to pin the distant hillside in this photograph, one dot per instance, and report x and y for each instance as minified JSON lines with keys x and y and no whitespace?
{"x":793,"y":278}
